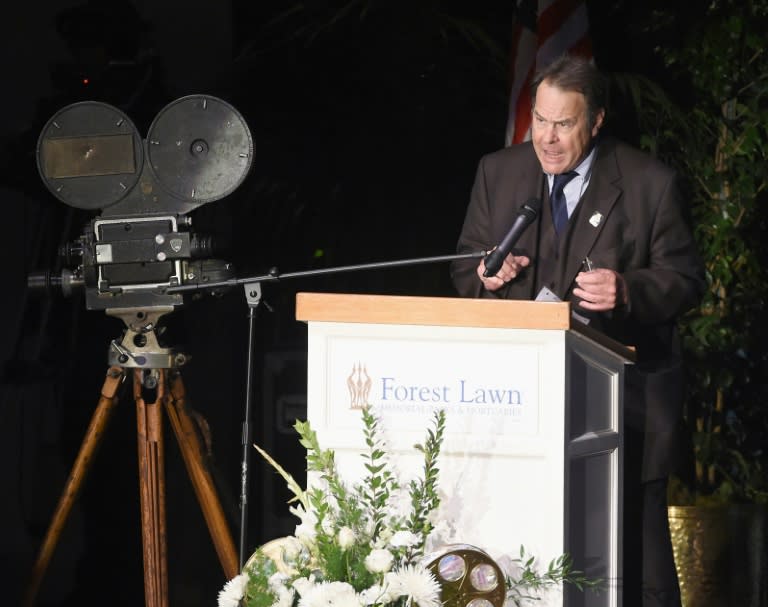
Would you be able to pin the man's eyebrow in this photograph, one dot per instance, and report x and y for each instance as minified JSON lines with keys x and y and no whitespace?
{"x":569,"y":119}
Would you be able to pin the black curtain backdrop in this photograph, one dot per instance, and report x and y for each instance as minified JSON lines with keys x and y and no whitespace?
{"x":366,"y":132}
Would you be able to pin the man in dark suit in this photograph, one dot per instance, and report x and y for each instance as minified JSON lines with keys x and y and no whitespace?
{"x":614,"y":240}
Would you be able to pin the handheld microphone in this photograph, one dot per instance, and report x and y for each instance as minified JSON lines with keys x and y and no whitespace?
{"x":525,"y":217}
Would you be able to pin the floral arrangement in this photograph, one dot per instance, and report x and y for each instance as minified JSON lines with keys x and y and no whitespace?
{"x":364,"y":545}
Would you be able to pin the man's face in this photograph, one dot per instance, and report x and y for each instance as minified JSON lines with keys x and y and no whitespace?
{"x":560,"y":129}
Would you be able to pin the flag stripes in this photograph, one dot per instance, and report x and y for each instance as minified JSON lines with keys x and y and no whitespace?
{"x":543,"y":31}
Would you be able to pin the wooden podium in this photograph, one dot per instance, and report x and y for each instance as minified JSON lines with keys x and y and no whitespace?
{"x":532,"y":453}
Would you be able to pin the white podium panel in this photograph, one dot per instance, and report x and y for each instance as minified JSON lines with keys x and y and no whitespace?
{"x":531,"y":454}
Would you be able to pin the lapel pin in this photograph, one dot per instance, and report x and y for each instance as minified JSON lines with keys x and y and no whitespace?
{"x":596,"y":219}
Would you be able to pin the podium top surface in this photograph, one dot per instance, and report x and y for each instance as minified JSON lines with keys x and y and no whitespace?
{"x":448,"y":312}
{"x":441,"y":311}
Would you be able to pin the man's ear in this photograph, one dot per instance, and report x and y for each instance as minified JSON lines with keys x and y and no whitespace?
{"x":598,"y":123}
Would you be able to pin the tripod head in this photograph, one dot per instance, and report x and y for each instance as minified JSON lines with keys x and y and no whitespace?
{"x":140,"y":347}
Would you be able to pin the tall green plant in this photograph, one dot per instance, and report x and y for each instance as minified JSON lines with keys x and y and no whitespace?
{"x":717,"y":136}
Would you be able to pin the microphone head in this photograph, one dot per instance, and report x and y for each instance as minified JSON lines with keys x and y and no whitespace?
{"x":525,"y":217}
{"x":531,"y":208}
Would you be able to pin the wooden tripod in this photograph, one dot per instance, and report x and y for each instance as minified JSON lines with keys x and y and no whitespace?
{"x":169,"y":395}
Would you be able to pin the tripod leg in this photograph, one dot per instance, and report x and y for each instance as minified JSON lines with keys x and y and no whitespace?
{"x":189,"y":443}
{"x":152,"y":491}
{"x":72,"y":488}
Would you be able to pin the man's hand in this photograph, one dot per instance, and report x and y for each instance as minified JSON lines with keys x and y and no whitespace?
{"x":601,"y":290}
{"x":510,"y":268}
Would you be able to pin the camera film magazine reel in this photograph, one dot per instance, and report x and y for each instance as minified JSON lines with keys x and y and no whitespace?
{"x":198,"y":150}
{"x":468,"y":577}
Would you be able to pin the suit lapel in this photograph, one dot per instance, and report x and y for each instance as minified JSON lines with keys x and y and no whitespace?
{"x":591,"y":215}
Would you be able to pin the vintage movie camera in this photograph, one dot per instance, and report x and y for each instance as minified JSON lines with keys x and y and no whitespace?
{"x":198,"y":150}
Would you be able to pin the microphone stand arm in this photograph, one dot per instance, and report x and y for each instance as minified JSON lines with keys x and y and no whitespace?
{"x":252,"y":286}
{"x":274,"y":275}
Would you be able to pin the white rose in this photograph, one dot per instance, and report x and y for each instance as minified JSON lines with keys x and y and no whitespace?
{"x":379,"y":561}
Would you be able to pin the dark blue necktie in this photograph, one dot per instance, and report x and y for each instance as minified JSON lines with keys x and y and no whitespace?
{"x":558,"y":202}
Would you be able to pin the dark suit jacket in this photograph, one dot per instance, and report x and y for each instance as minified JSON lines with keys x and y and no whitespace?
{"x":630,"y":219}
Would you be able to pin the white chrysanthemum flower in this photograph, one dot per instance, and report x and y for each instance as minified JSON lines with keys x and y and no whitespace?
{"x":330,"y":594}
{"x":233,"y":591}
{"x":346,"y":538}
{"x":404,"y":539}
{"x":379,"y":561}
{"x":376,"y":595}
{"x":416,"y":583}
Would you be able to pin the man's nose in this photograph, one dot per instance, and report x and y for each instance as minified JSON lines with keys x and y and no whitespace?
{"x":551,"y":133}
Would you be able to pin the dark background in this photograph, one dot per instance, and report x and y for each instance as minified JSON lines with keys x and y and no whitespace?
{"x":367,"y":127}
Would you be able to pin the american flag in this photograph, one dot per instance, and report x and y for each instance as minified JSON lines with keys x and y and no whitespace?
{"x":543,"y":30}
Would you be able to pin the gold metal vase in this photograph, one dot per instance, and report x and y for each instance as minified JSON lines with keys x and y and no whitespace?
{"x":721,"y":554}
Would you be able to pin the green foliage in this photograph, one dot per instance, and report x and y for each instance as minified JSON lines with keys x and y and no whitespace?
{"x":529,"y":581}
{"x":380,"y":483}
{"x":424,"y":497}
{"x":716,"y":134}
{"x":343,"y":527}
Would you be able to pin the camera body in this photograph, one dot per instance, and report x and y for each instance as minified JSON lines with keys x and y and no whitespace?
{"x":90,"y":156}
